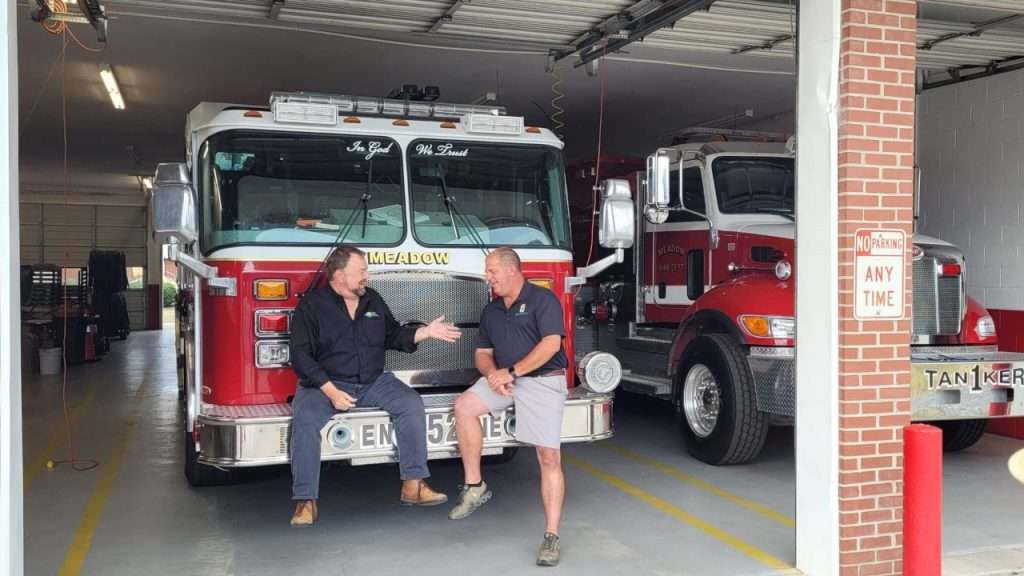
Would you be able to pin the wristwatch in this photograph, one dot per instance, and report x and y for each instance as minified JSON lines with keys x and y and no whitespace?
{"x":512,"y":370}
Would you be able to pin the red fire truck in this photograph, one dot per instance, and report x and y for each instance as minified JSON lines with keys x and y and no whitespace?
{"x":425,"y":188}
{"x":702,"y":313}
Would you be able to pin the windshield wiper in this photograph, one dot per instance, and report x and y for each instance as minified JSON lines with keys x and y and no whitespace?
{"x":364,"y":201}
{"x":784,"y":212}
{"x":449,"y":201}
{"x":453,"y":211}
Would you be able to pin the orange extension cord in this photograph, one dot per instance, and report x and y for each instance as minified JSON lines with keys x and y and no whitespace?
{"x":79,"y":465}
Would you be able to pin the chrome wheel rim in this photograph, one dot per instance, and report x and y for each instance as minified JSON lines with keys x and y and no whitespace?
{"x":702,"y":399}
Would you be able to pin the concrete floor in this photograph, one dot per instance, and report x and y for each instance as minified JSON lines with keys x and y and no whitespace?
{"x":636,"y":504}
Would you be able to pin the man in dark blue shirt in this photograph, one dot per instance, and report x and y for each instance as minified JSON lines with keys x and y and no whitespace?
{"x":339,"y":335}
{"x":522,"y":362}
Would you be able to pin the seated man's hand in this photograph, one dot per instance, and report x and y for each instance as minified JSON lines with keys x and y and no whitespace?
{"x":339,"y":398}
{"x":441,"y":331}
{"x":501,"y":382}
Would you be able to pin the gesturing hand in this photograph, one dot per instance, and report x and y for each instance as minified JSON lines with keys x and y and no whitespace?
{"x":441,"y":331}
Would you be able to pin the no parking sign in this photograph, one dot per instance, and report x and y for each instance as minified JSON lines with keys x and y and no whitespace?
{"x":878,"y":284}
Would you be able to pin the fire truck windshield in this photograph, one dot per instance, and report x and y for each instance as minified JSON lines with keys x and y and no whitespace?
{"x":280,"y":188}
{"x":754,"y":185}
{"x":490,"y":194}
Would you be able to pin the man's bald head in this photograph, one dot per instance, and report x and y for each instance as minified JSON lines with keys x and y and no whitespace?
{"x":507,"y":257}
{"x":504,"y":272}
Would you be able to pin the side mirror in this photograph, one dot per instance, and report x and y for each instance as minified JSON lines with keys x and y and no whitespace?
{"x":617,"y":219}
{"x":173,"y":204}
{"x":659,"y":166}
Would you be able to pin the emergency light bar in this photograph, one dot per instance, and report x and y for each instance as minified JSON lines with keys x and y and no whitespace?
{"x":304,"y":107}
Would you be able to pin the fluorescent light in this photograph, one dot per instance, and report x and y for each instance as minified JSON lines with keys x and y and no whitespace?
{"x":110,"y":82}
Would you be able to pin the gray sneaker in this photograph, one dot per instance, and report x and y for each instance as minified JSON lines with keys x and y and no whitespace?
{"x":550,"y":551}
{"x":470,"y":498}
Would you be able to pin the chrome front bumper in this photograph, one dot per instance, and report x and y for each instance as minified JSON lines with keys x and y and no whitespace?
{"x":954,"y":383}
{"x":245,"y":436}
{"x":947,"y":382}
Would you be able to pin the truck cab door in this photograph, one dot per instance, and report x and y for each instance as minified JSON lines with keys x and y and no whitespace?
{"x":671,"y":248}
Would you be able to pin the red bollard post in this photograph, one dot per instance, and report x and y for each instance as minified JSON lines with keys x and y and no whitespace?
{"x":922,"y":500}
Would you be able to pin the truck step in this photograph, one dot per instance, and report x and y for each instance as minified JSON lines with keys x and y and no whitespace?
{"x":655,"y":331}
{"x":644,"y":344}
{"x":646,"y":384}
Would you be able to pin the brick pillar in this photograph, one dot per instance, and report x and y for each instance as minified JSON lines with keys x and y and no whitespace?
{"x":876,"y":159}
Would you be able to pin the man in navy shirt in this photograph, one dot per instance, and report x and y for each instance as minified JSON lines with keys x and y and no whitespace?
{"x":339,"y":335}
{"x":523,"y":364}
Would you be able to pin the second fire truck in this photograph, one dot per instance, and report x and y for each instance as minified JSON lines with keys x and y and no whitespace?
{"x":703,"y":311}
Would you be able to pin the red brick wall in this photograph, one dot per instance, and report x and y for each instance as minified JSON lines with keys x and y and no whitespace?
{"x":876,"y":145}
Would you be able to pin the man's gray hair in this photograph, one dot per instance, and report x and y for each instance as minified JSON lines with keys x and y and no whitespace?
{"x":508,"y":257}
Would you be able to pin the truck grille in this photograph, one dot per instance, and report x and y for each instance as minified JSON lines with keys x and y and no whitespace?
{"x":421,"y":297}
{"x":938,"y":304}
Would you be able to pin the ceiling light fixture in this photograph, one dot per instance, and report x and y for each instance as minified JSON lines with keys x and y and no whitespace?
{"x":110,"y":82}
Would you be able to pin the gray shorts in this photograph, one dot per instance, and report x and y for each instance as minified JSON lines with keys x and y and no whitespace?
{"x":539,"y":402}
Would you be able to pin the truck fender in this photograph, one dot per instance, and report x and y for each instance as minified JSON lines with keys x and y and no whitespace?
{"x":693,"y":325}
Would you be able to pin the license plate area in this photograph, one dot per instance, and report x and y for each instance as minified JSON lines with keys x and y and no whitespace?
{"x":366,"y":434}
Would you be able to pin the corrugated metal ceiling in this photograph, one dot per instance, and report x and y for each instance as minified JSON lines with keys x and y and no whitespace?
{"x":728,"y":26}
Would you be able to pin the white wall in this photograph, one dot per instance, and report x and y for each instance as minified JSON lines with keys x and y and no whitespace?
{"x":971,"y":153}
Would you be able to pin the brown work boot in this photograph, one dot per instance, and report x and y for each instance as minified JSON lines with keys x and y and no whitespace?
{"x":417,"y":493}
{"x":305,"y":513}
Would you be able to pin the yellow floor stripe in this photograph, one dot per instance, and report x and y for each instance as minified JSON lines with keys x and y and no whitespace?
{"x":79,"y":549}
{"x":58,"y":436}
{"x":703,"y":485}
{"x":683,"y":516}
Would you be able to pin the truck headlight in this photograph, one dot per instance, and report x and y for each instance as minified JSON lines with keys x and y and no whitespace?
{"x":272,"y":354}
{"x":985,"y":328}
{"x":599,"y":372}
{"x":783,"y":270}
{"x":781,"y":327}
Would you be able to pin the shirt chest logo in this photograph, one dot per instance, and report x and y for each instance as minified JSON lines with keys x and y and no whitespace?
{"x":371,"y":314}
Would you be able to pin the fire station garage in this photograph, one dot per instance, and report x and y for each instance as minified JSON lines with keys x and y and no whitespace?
{"x":177,"y":173}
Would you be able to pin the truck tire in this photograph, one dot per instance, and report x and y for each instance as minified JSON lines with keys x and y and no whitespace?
{"x":961,"y":434}
{"x":718,"y":414}
{"x":199,"y":475}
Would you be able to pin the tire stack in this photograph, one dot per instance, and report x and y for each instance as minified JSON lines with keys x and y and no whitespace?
{"x":108,"y":278}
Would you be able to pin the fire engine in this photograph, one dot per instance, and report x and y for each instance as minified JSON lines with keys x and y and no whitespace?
{"x":425,"y":188}
{"x":702,"y":314}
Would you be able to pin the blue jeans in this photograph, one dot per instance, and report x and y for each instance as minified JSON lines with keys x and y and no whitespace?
{"x":311,"y":410}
